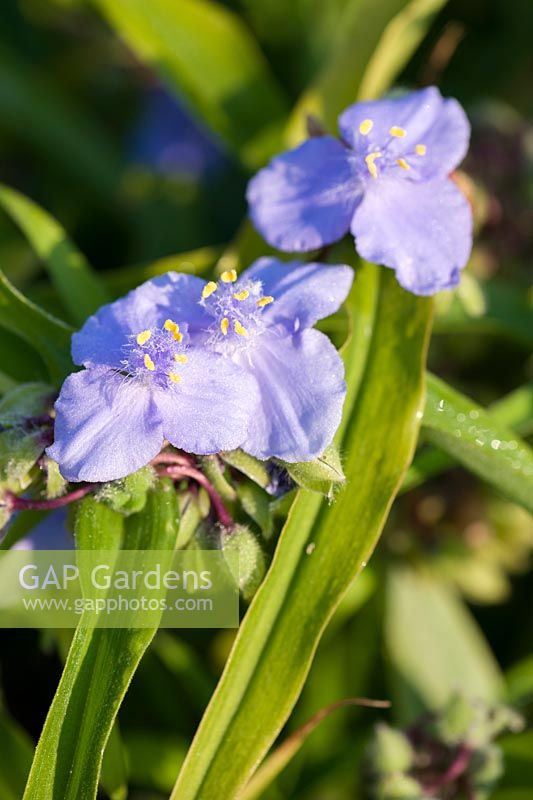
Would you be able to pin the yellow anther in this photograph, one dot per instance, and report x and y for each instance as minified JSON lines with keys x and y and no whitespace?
{"x":265,"y":301}
{"x":224,"y":326}
{"x":421,"y":149}
{"x":403,"y":163}
{"x":174,"y":377}
{"x":148,"y":363}
{"x":244,"y":295}
{"x":181,"y":359}
{"x":240,"y":329}
{"x":208,"y":289}
{"x":143,"y":337}
{"x":365,"y":127}
{"x":173,"y":328}
{"x":229,"y":276}
{"x":398,"y":132}
{"x":370,"y":158}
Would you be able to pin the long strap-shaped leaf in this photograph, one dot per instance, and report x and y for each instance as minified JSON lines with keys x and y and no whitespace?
{"x":479,"y":441}
{"x":320,"y":551}
{"x":48,"y":335}
{"x":101,"y":662}
{"x":206,"y":53}
{"x":79,"y":288}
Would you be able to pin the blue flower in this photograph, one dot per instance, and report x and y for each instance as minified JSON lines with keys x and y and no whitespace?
{"x":207,"y":366}
{"x":387,"y":181}
{"x":146,"y":382}
{"x":262,"y":320}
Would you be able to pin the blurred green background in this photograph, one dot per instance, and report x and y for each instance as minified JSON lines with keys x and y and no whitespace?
{"x":91,"y":133}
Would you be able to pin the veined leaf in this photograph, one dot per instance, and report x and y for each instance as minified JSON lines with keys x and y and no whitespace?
{"x":79,"y":288}
{"x":514,"y":411}
{"x":48,"y":335}
{"x":320,"y":550}
{"x":205,"y":53}
{"x":101,"y":661}
{"x":469,"y":434}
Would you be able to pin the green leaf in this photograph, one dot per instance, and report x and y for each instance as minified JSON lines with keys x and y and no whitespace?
{"x":79,"y":288}
{"x":278,"y":760}
{"x":205,"y":52}
{"x":17,"y":753}
{"x":251,"y":467}
{"x":363,"y":60}
{"x":433,"y":643}
{"x":48,"y":335}
{"x":321,"y":548}
{"x":399,"y":40}
{"x":514,"y":411}
{"x":101,"y":661}
{"x":320,"y":475}
{"x":468,"y":433}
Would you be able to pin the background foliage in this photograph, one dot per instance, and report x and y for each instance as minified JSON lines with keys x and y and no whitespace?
{"x":134,"y":126}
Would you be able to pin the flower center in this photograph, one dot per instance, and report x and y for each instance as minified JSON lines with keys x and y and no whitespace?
{"x":389,"y":160}
{"x":236,"y":309}
{"x":157,"y":354}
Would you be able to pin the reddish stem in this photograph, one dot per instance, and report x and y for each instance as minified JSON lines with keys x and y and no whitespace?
{"x":178,"y":472}
{"x":458,"y":766}
{"x":15,"y":503}
{"x":181,"y":460}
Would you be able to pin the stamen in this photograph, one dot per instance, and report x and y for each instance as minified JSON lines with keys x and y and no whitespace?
{"x":148,"y":363}
{"x":244,"y":295}
{"x":174,"y":329}
{"x":224,"y":326}
{"x":174,"y":377}
{"x":240,"y":329}
{"x":403,"y":163}
{"x":369,"y":159}
{"x":229,"y":276}
{"x":398,"y":132}
{"x":265,"y":301}
{"x":421,"y":149}
{"x":180,"y":358}
{"x":365,"y":127}
{"x":208,"y":289}
{"x":143,"y":337}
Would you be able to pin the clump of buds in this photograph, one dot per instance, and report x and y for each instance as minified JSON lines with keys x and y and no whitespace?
{"x":448,"y":755}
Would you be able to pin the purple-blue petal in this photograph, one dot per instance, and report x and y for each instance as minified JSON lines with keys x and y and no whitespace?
{"x":303,"y":293}
{"x":421,"y":230}
{"x":301,"y":379}
{"x":174,"y":295}
{"x":305,"y":198}
{"x":210,"y":409}
{"x":106,"y":427}
{"x":446,"y":142}
{"x":415,"y":112}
